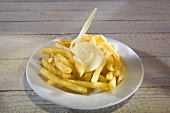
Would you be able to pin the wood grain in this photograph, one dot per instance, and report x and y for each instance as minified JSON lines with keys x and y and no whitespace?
{"x":143,"y":25}
{"x":112,"y":15}
{"x":144,"y":100}
{"x":22,"y":46}
{"x":129,"y":5}
{"x":66,"y":27}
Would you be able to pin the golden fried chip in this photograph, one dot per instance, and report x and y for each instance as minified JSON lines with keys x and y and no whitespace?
{"x":65,"y":53}
{"x":63,"y":68}
{"x":65,"y":42}
{"x":109,"y":75}
{"x":122,"y":75}
{"x":112,"y":83}
{"x":95,"y":85}
{"x":60,"y":46}
{"x":99,"y":69}
{"x":51,"y":76}
{"x":50,"y":82}
{"x":52,"y":68}
{"x":87,"y":76}
{"x":110,"y":63}
{"x":79,"y":68}
{"x":102,"y":78}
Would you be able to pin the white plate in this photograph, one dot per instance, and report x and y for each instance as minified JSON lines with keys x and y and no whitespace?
{"x":123,"y":91}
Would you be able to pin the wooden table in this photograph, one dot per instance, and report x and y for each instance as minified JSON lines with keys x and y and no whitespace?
{"x":144,"y":26}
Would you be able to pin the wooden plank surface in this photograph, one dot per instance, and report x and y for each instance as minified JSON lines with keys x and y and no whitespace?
{"x":124,"y":5}
{"x":108,"y":10}
{"x":144,"y":44}
{"x":67,"y":27}
{"x":143,"y":25}
{"x":27,"y":16}
{"x":144,"y":100}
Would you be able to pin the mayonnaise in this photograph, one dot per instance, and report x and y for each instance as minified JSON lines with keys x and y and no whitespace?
{"x":88,"y":54}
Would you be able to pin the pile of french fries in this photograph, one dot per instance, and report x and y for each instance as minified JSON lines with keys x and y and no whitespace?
{"x":60,"y":68}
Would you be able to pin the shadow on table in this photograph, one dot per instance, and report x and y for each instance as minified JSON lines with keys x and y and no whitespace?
{"x":161,"y":81}
{"x":53,"y":108}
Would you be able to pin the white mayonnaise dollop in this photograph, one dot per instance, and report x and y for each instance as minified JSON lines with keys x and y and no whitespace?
{"x":88,"y":54}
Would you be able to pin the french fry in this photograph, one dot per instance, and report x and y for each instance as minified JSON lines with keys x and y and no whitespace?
{"x":50,"y":82}
{"x":52,"y":55}
{"x":58,"y":45}
{"x":109,"y":75}
{"x":63,"y":68}
{"x":99,"y":69}
{"x":110,"y":64}
{"x":95,"y":85}
{"x":117,"y":72}
{"x":100,"y":38}
{"x":85,"y":38}
{"x":66,"y":62}
{"x":104,"y":70}
{"x":103,"y":50}
{"x":102,"y":78}
{"x":79,"y":68}
{"x":118,"y":69}
{"x":122,"y":74}
{"x":110,"y":48}
{"x":65,"y":42}
{"x":50,"y":60}
{"x":87,"y":76}
{"x":51,"y":76}
{"x":52,"y":68}
{"x":65,"y":53}
{"x":92,"y":39}
{"x":113,"y":47}
{"x":72,"y":75}
{"x":112,"y":83}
